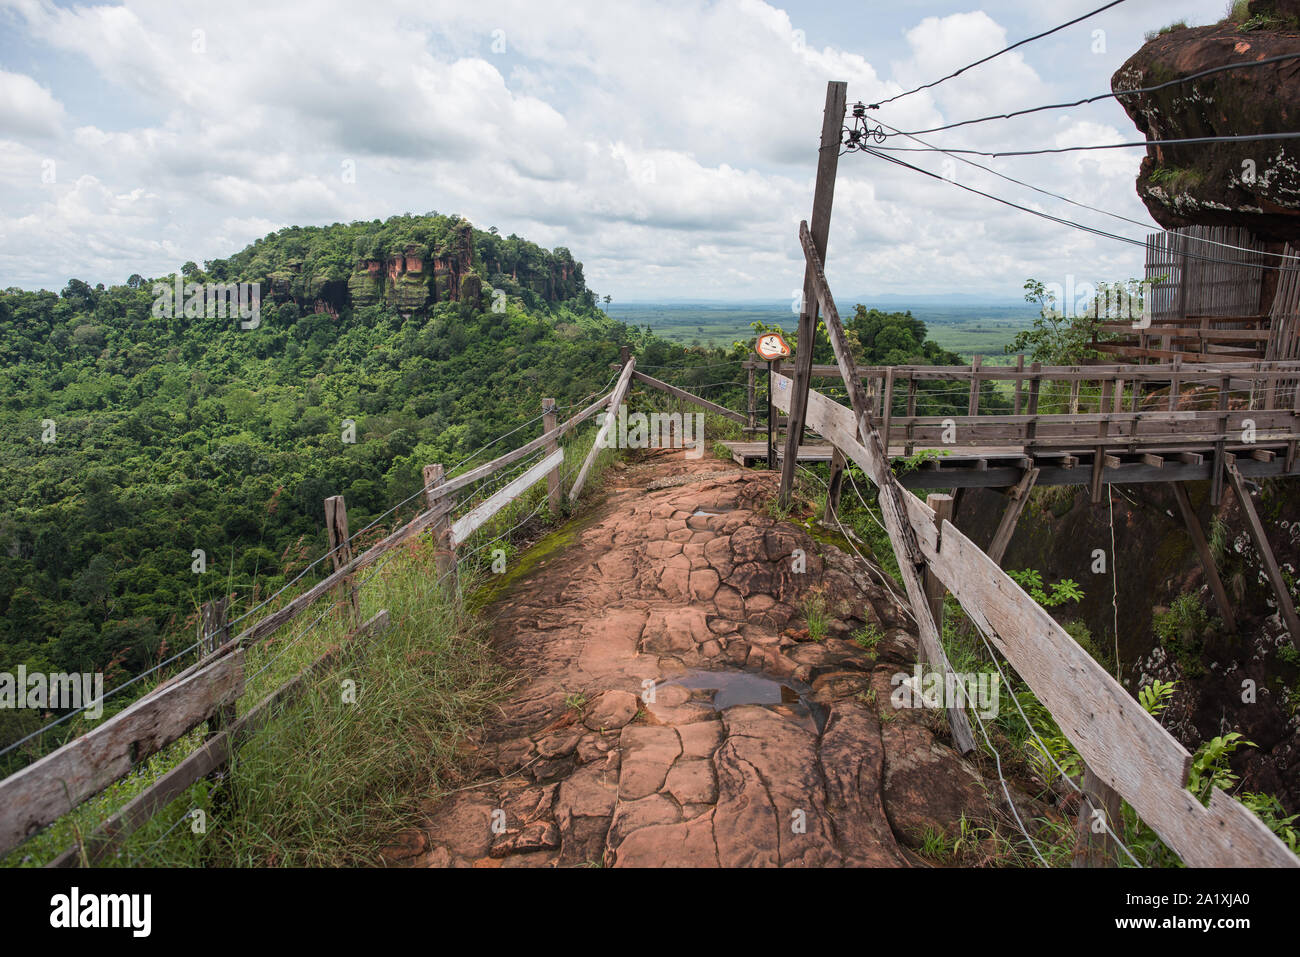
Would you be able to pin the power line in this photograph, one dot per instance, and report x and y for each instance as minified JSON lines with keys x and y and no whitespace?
{"x":1072,"y":202}
{"x":1113,"y":95}
{"x":992,"y":56}
{"x":1248,"y":138}
{"x":1058,"y":219}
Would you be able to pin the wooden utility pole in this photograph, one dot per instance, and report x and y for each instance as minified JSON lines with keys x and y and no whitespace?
{"x":823,"y":196}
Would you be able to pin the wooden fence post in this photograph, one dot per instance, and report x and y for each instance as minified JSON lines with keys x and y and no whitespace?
{"x":213,"y":633}
{"x":1094,"y":846}
{"x":934,"y":590}
{"x":336,"y":524}
{"x":445,"y":554}
{"x":553,"y":491}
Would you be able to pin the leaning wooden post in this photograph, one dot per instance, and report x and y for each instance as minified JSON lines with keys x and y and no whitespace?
{"x":934,"y":590}
{"x":553,"y":490}
{"x":1258,"y":535}
{"x":336,"y":524}
{"x":1099,"y":809}
{"x":893,"y":504}
{"x":611,"y":413}
{"x":828,"y":159}
{"x":1207,"y":557}
{"x":444,"y":561}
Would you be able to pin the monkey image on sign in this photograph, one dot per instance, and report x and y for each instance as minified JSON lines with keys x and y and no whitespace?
{"x":771,"y":346}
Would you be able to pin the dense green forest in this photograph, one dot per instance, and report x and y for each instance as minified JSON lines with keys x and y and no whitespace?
{"x":132,"y":441}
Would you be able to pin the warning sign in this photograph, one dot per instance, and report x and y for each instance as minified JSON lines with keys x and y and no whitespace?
{"x":771,"y":346}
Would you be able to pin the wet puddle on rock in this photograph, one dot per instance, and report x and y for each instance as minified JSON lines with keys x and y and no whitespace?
{"x":786,"y":696}
{"x":704,"y":511}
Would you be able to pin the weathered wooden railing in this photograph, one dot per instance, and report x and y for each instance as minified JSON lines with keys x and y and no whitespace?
{"x":208,"y":690}
{"x":1126,"y":751}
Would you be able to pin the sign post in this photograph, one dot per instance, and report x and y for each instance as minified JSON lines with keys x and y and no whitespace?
{"x":771,"y":348}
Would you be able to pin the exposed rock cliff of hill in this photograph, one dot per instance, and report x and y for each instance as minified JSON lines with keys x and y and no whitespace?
{"x":1253,"y":184}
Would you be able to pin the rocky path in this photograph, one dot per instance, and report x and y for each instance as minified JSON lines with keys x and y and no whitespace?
{"x":674,"y":711}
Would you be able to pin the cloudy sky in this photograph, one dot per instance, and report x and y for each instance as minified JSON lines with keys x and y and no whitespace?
{"x":669,"y":144}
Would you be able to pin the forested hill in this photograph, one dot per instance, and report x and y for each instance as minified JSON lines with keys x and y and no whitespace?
{"x":131,"y":440}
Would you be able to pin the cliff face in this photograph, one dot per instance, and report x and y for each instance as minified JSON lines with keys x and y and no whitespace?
{"x":414,"y":279}
{"x":1253,"y":184}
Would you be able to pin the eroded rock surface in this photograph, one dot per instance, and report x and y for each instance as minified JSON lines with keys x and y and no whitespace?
{"x":683,"y":570}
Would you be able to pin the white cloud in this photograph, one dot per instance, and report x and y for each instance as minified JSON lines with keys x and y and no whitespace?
{"x":671,"y":146}
{"x":27,"y":108}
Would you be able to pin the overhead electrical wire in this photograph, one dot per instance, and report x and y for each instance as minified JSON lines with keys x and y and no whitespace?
{"x":1057,"y":219}
{"x":994,"y":56}
{"x":1247,"y":138}
{"x":1073,"y":202}
{"x":1113,"y":95}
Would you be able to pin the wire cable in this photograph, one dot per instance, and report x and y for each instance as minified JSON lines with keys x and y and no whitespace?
{"x":1104,"y":96}
{"x":992,"y":56}
{"x":1245,"y":138}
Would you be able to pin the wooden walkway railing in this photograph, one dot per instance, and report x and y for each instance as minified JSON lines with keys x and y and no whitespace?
{"x":1125,"y":749}
{"x":207,"y":691}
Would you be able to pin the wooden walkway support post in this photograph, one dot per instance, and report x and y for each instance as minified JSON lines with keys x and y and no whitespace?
{"x":444,"y":561}
{"x":554,"y":494}
{"x":1203,"y":552}
{"x":823,"y":197}
{"x":1285,"y":606}
{"x":1017,"y":499}
{"x":336,"y":524}
{"x":893,"y":505}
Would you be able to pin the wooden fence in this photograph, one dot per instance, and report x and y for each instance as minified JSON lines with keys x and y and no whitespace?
{"x":1124,"y":748}
{"x":207,"y":691}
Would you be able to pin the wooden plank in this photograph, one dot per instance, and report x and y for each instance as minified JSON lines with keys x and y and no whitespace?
{"x":828,"y":158}
{"x":1017,"y":499}
{"x":615,"y":400}
{"x":1197,"y":536}
{"x":47,"y":789}
{"x":465,"y":526}
{"x":1286,"y":607}
{"x":689,"y":397}
{"x":1124,"y":746}
{"x":212,"y":754}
